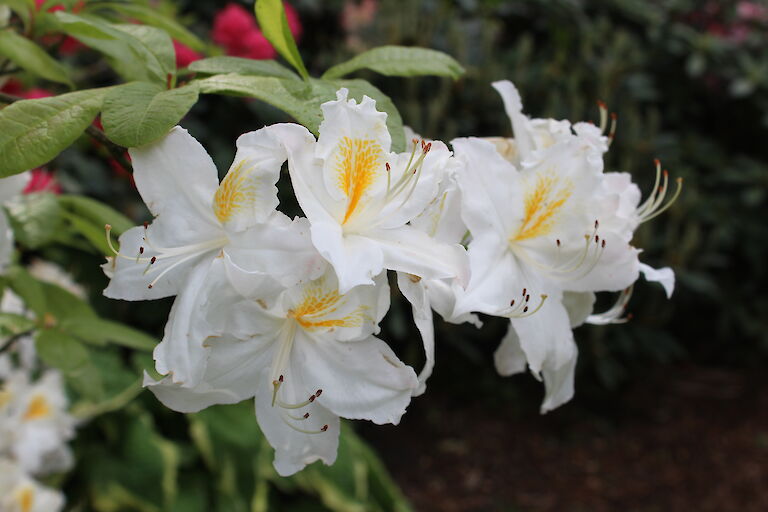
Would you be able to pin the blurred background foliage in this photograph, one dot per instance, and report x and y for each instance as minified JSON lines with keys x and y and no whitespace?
{"x":689,"y":82}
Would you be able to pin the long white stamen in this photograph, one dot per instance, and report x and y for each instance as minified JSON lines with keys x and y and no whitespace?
{"x":614,"y":314}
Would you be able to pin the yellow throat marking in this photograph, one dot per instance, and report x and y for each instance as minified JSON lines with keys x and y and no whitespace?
{"x":236,"y":191}
{"x":542,"y":203}
{"x":38,"y":409}
{"x":357,"y":162}
{"x":25,"y":498}
{"x":316,"y":306}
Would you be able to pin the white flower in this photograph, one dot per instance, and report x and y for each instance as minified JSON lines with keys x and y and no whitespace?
{"x":34,"y":423}
{"x":9,"y":188}
{"x":536,"y":232}
{"x":359,"y":197}
{"x":199,"y":221}
{"x":20,"y":493}
{"x":309,"y":356}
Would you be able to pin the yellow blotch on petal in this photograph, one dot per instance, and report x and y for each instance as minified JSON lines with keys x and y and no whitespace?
{"x":357,"y":163}
{"x":542,"y":204}
{"x":316,"y":306}
{"x":38,"y":408}
{"x":235,"y":192}
{"x":25,"y":498}
{"x":5,"y":397}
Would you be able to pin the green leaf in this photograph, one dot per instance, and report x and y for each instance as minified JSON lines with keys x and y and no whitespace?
{"x":96,"y":212}
{"x":226,"y":64}
{"x":28,"y":288}
{"x":274,"y":25}
{"x":35,"y":218}
{"x":28,"y":55}
{"x":61,"y":351}
{"x":400,"y":61}
{"x":127,"y":55}
{"x":156,"y":43}
{"x":100,"y":331}
{"x":140,"y":112}
{"x":150,"y":16}
{"x":35,"y":131}
{"x":302,"y":100}
{"x":12,"y":324}
{"x":23,"y":8}
{"x":95,"y":235}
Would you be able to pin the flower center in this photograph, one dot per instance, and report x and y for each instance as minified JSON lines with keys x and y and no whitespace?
{"x":38,"y":409}
{"x":236,"y":191}
{"x":543,"y":202}
{"x":357,"y":163}
{"x":25,"y":498}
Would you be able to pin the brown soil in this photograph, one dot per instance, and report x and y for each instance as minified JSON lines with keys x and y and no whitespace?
{"x":685,"y":439}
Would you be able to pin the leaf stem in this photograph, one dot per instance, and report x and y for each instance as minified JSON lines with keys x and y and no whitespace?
{"x":10,"y":341}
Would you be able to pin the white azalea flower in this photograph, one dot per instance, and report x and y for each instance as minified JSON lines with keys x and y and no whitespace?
{"x":308,"y":356}
{"x":20,"y":493}
{"x":536,"y":233}
{"x":198,"y":221}
{"x":34,"y":423}
{"x":9,"y":188}
{"x":359,"y":197}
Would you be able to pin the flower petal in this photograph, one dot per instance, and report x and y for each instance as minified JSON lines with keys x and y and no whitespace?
{"x":513,"y":105}
{"x":360,"y":380}
{"x":664,"y":276}
{"x":356,"y":259}
{"x":416,"y":293}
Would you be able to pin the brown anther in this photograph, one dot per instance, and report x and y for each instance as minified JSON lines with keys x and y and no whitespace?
{"x":280,"y":378}
{"x":601,"y":104}
{"x":387,"y":166}
{"x":141,"y":250}
{"x":527,"y":298}
{"x":614,"y":116}
{"x":603,"y":243}
{"x":318,"y":392}
{"x":597,"y":239}
{"x":512,"y":303}
{"x":558,"y":242}
{"x":312,"y":398}
{"x":428,"y":147}
{"x":656,"y":162}
{"x":666,"y":173}
{"x":422,"y":144}
{"x":108,"y":227}
{"x":524,"y":290}
{"x":325,"y":427}
{"x":153,"y":260}
{"x":415,"y":141}
{"x":597,"y":223}
{"x":525,"y":309}
{"x":306,"y":415}
{"x":146,"y":224}
{"x":149,"y":286}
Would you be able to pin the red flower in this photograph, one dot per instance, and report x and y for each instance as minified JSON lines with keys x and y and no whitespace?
{"x":184,"y":54}
{"x":16,"y":88}
{"x":234,"y":28}
{"x":35,"y":93}
{"x":42,"y":181}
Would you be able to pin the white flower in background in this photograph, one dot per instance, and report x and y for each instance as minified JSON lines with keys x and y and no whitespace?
{"x":359,"y":197}
{"x":34,"y":423}
{"x":20,"y":493}
{"x":54,"y":274}
{"x":199,"y":221}
{"x":309,"y":355}
{"x":9,"y":188}
{"x":536,"y":232}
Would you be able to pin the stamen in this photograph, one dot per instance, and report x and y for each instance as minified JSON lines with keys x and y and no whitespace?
{"x":655,"y":205}
{"x":614,"y":314}
{"x":603,"y":115}
{"x":612,"y":132}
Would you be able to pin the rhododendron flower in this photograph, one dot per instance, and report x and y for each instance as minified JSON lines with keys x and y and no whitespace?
{"x":34,"y":424}
{"x":308,"y":355}
{"x":201,"y":224}
{"x":234,"y":28}
{"x":42,"y":181}
{"x":359,"y":197}
{"x":20,"y":493}
{"x":536,"y":232}
{"x":184,"y":54}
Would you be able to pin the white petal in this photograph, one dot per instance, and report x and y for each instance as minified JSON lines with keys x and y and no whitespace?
{"x":509,"y":358}
{"x":12,"y":186}
{"x":360,"y":380}
{"x":617,"y":268}
{"x":520,"y":123}
{"x":181,"y":353}
{"x":442,"y":295}
{"x":416,"y":293}
{"x":579,"y":306}
{"x":177,"y":179}
{"x":442,"y":218}
{"x":295,"y":449}
{"x":247,"y":195}
{"x":406,"y":249}
{"x":665,"y":276}
{"x":356,"y":259}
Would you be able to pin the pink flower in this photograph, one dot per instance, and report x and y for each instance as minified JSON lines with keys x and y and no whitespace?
{"x":35,"y":93}
{"x":16,"y":88}
{"x":184,"y":54}
{"x":234,"y":28}
{"x":752,"y":11}
{"x":42,"y":181}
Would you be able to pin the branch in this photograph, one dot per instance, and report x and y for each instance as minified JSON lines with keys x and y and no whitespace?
{"x":13,"y":339}
{"x":117,"y":152}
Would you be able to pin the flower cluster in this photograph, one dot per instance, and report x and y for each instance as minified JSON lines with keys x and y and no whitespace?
{"x":235,"y":29}
{"x":287,"y":311}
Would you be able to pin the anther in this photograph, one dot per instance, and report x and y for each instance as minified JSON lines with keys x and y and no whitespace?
{"x":597,"y":224}
{"x":318,"y":392}
{"x":325,"y":427}
{"x":152,"y":260}
{"x":306,"y":415}
{"x":597,"y":238}
{"x":603,"y":243}
{"x":558,"y":242}
{"x":312,"y":398}
{"x":146,"y":224}
{"x":512,"y":303}
{"x":525,"y":290}
{"x":525,"y":309}
{"x":387,"y":166}
{"x":280,"y":379}
{"x":141,"y":250}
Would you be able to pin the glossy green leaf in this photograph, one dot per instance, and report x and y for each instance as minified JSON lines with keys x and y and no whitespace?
{"x":62,"y":351}
{"x":400,"y":61}
{"x":36,"y":218}
{"x":28,"y":55}
{"x":12,"y":324}
{"x":157,"y":44}
{"x":35,"y":131}
{"x":95,"y":235}
{"x":96,"y":212}
{"x":302,"y":100}
{"x":274,"y":26}
{"x":150,"y":16}
{"x":130,"y":57}
{"x":140,"y":112}
{"x":100,"y":331}
{"x":240,"y":65}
